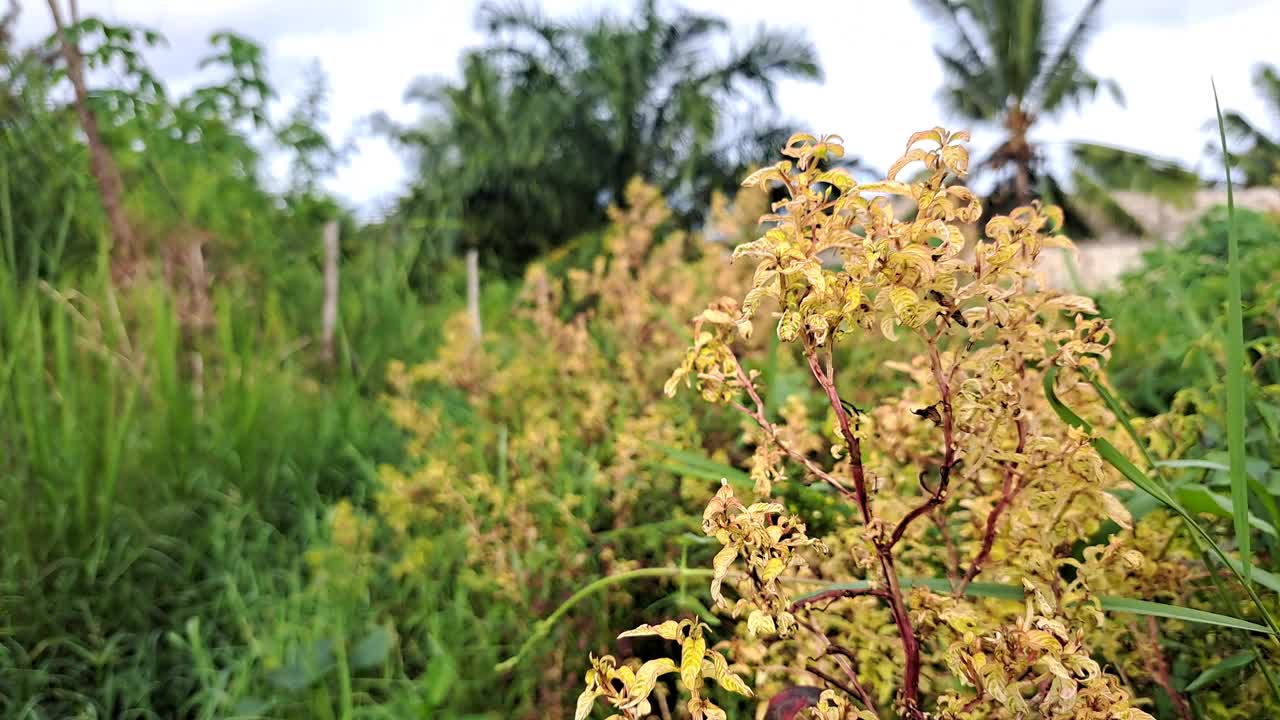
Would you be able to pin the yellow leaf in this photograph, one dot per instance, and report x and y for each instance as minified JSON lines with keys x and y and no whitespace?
{"x":1054,"y":213}
{"x":1116,"y":510}
{"x":1074,"y":303}
{"x":934,"y":134}
{"x":892,"y":187}
{"x":887,"y":328}
{"x":761,"y":623}
{"x":756,"y":248}
{"x":903,"y":300}
{"x":585,"y":701}
{"x":761,"y":177}
{"x":647,"y":677}
{"x":691,"y":653}
{"x":772,"y":569}
{"x":669,"y":630}
{"x":673,"y":383}
{"x":911,"y":156}
{"x":838,"y":177}
{"x":813,"y":274}
{"x":1055,"y":667}
{"x":765,"y":508}
{"x":734,"y":684}
{"x":789,"y":326}
{"x":956,"y":159}
{"x":1044,"y":641}
{"x":720,"y":565}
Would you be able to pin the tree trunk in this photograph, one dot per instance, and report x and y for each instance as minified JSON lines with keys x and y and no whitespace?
{"x":329,"y":314}
{"x":1018,"y":150}
{"x":125,"y":251}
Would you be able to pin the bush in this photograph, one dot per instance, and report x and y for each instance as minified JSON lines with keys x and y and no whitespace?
{"x":989,"y":564}
{"x":1174,"y":330}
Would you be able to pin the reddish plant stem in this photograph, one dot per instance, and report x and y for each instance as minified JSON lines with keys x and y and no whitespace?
{"x":988,"y":537}
{"x":102,"y":166}
{"x":758,"y":415}
{"x":1007,"y":493}
{"x":953,"y":554}
{"x":855,"y":445}
{"x":836,"y":594}
{"x":846,"y":660}
{"x":813,"y":669}
{"x":884,"y":551}
{"x":939,"y":494}
{"x":1160,"y":671}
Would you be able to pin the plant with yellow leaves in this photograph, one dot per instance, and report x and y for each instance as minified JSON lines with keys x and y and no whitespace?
{"x":963,"y":583}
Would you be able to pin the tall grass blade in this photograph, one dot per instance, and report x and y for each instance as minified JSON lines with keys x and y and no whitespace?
{"x":1235,"y":366}
{"x":1155,"y":489}
{"x":1235,"y":662}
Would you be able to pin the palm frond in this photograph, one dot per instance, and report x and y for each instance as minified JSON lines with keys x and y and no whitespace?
{"x":1266,"y":80}
{"x":768,"y":56}
{"x":948,"y":12}
{"x":1114,"y":168}
{"x":972,"y":94}
{"x":1064,"y":78}
{"x":552,"y":41}
{"x":1097,"y":201}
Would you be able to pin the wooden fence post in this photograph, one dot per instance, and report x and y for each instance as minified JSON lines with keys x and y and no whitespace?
{"x":473,"y":291}
{"x":329,"y":314}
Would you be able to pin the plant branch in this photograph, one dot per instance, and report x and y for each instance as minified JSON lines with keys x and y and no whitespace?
{"x":842,"y":417}
{"x":939,"y":494}
{"x":847,"y":663}
{"x":893,"y":592}
{"x":1160,"y":671}
{"x":836,"y":594}
{"x":1007,"y":493}
{"x":762,"y":420}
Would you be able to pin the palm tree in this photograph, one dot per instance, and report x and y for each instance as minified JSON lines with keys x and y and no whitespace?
{"x":663,"y":100}
{"x":1258,"y":156}
{"x":499,"y":169}
{"x":552,"y":119}
{"x":1008,"y":65}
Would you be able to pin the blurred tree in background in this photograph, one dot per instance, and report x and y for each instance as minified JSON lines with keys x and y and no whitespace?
{"x":552,"y":118}
{"x":1010,"y":64}
{"x":1258,"y":153}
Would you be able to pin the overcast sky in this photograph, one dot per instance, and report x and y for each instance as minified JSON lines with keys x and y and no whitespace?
{"x":880,"y":81}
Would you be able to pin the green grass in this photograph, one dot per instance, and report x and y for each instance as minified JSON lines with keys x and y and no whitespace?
{"x":154,"y":511}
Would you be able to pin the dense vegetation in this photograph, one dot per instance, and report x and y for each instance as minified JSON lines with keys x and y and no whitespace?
{"x":204,"y":514}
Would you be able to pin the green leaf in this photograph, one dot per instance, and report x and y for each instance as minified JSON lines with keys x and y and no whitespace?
{"x":1235,"y":662}
{"x":250,"y":707}
{"x":1109,"y":603}
{"x":1235,"y":366}
{"x":1257,"y":468}
{"x":1265,"y":578}
{"x":372,"y":649}
{"x":440,"y":676}
{"x":1193,"y":463}
{"x":1200,"y":499}
{"x":688,"y":462}
{"x":1155,"y":489}
{"x":313,"y":664}
{"x":1178,"y":612}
